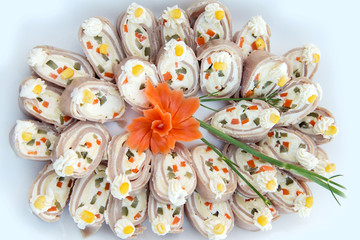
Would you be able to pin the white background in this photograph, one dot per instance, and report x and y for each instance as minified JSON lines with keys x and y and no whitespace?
{"x":332,"y":25}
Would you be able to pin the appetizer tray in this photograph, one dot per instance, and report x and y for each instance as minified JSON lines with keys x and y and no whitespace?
{"x":158,"y":121}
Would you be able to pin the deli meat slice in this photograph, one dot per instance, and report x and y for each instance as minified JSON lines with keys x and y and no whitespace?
{"x":174,"y":24}
{"x":304,"y":60}
{"x":178,"y":67}
{"x":252,"y":213}
{"x":248,"y":121}
{"x":173,"y":176}
{"x":221,"y":68}
{"x":88,"y":201}
{"x":101,"y":45}
{"x":139,"y":32}
{"x":131,"y":76}
{"x":264,"y":73}
{"x":92,"y":99}
{"x":165,"y":218}
{"x":260,"y":174}
{"x":213,"y":220}
{"x":125,"y":216}
{"x":211,"y":20}
{"x":79,"y":149}
{"x":216,"y":181}
{"x":128,"y":171}
{"x":319,"y":124}
{"x":32,"y":139}
{"x":49,"y":194}
{"x":296,"y":100}
{"x":58,"y":66}
{"x":292,"y":195}
{"x":41,"y":100}
{"x":255,"y":35}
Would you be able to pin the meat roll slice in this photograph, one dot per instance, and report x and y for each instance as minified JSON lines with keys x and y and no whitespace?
{"x":304,"y":60}
{"x":248,"y":121}
{"x":42,"y":101}
{"x":125,"y":216}
{"x":178,"y":66}
{"x":221,"y":68}
{"x":128,"y":171}
{"x":173,"y":176}
{"x":165,"y":218}
{"x":320,"y":125}
{"x":252,"y":213}
{"x":292,"y":195}
{"x":88,"y":201}
{"x":138,"y":30}
{"x":32,"y":139}
{"x":213,"y":220}
{"x":131,"y":77}
{"x":49,"y":194}
{"x":291,"y":146}
{"x":57,"y":65}
{"x":263,"y":74}
{"x":255,"y":35}
{"x":92,"y":99}
{"x":216,"y":181}
{"x":79,"y":149}
{"x":325,"y":167}
{"x":260,"y":174}
{"x":296,"y":100}
{"x":212,"y":21}
{"x":174,"y":23}
{"x":101,"y":45}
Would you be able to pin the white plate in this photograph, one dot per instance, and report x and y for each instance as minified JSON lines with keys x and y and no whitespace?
{"x":333,"y":27}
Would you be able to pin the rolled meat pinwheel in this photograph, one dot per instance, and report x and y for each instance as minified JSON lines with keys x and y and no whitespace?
{"x":252,"y":213}
{"x":255,"y":35}
{"x":42,"y":101}
{"x":57,"y":65}
{"x":138,"y":30}
{"x":101,"y":45}
{"x":32,"y":139}
{"x":304,"y":60}
{"x":173,"y":176}
{"x":264,"y":73}
{"x":79,"y":149}
{"x":128,"y":171}
{"x":88,"y":201}
{"x":260,"y":174}
{"x":221,"y":68}
{"x":212,"y":21}
{"x":320,"y":125}
{"x":92,"y":99}
{"x":178,"y":67}
{"x":292,"y":195}
{"x":291,"y":146}
{"x":325,"y":167}
{"x":248,"y":121}
{"x":125,"y":216}
{"x":213,"y":220}
{"x":131,"y":77}
{"x":165,"y":218}
{"x":49,"y":194}
{"x":216,"y":181}
{"x":174,"y":23}
{"x":296,"y":100}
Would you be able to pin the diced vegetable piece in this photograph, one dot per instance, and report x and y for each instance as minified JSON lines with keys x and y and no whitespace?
{"x":52,"y":64}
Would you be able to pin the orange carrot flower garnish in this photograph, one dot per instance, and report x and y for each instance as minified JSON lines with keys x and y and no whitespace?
{"x":169,"y":120}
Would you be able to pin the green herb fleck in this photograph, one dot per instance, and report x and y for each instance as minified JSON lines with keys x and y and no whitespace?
{"x":138,"y":44}
{"x":102,"y":100}
{"x":304,"y":124}
{"x":173,"y":154}
{"x":77,"y":66}
{"x":100,"y":68}
{"x":253,"y":211}
{"x":48,"y":143}
{"x":313,"y":114}
{"x":142,"y":86}
{"x":93,"y":200}
{"x":257,"y":121}
{"x":89,"y":160}
{"x":51,"y":64}
{"x":98,"y":39}
{"x":31,"y":142}
{"x":98,"y":182}
{"x":58,"y":205}
{"x":283,"y":149}
{"x":243,"y":116}
{"x":288,"y":181}
{"x":147,"y":51}
{"x":84,"y":154}
{"x":160,"y":211}
{"x":297,"y":90}
{"x":221,"y":73}
{"x":39,"y":99}
{"x":102,"y":209}
{"x":124,"y":211}
{"x":177,"y":211}
{"x":188,"y":174}
{"x":129,"y":154}
{"x":135,"y":202}
{"x":181,"y":70}
{"x":171,"y":175}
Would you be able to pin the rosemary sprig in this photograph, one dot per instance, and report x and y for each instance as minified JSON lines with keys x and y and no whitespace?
{"x":321,"y":180}
{"x":233,"y":166}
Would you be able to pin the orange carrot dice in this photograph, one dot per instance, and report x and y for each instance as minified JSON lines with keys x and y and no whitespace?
{"x":98,"y":142}
{"x":312,"y":122}
{"x":130,"y":198}
{"x":176,"y":220}
{"x":207,"y":75}
{"x":115,"y":114}
{"x":45,"y":104}
{"x":182,"y":164}
{"x":66,"y":118}
{"x":180,"y":77}
{"x":216,"y":168}
{"x":210,"y":32}
{"x":175,"y":168}
{"x":167,"y":76}
{"x":131,"y":160}
{"x":52,"y":209}
{"x":99,"y":193}
{"x":230,"y":109}
{"x":37,"y":143}
{"x":270,"y":134}
{"x":108,"y":74}
{"x":245,"y":121}
{"x":107,"y":186}
{"x":227,"y":216}
{"x":285,"y":191}
{"x":257,"y":77}
{"x":251,"y":163}
{"x":235,"y":121}
{"x":89,"y":45}
{"x":200,"y":41}
{"x":241,"y":42}
{"x":209,"y":60}
{"x":208,"y":148}
{"x":287,"y":103}
{"x":286,"y":144}
{"x":37,"y":110}
{"x":59,"y":184}
{"x":88,"y":144}
{"x":125,"y":28}
{"x":283,"y":94}
{"x":249,"y":93}
{"x":53,"y":76}
{"x":254,"y":107}
{"x":225,"y":170}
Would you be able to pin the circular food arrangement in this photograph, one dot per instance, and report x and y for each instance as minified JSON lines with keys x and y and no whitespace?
{"x":166,"y":69}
